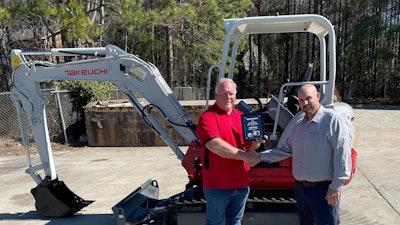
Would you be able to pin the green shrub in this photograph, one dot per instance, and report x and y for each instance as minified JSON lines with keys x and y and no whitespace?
{"x":87,"y":91}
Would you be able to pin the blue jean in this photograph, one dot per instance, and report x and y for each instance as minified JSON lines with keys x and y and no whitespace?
{"x":312,"y":206}
{"x":225,"y":204}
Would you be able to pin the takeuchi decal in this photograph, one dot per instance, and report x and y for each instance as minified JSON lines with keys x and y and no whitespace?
{"x":86,"y":72}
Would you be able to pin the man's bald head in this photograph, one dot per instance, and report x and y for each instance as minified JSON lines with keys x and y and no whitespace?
{"x":308,"y":88}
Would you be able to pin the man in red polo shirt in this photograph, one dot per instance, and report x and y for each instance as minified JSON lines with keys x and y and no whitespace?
{"x":225,"y":157}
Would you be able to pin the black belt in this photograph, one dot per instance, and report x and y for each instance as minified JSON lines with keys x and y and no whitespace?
{"x":313,"y":184}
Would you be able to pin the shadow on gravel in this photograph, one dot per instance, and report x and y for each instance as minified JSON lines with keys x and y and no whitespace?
{"x":77,"y":219}
{"x":346,"y":218}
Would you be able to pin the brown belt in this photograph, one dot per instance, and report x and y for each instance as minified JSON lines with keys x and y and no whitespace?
{"x":313,"y":184}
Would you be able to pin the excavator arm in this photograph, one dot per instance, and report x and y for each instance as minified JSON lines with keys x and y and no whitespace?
{"x":109,"y":64}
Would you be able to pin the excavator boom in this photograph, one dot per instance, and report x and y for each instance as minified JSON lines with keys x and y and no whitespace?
{"x":129,"y":73}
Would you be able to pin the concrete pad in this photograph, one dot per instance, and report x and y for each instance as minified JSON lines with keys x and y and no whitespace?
{"x":373,"y":195}
{"x":107,"y":175}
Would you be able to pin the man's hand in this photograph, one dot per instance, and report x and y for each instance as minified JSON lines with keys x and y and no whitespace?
{"x":252,"y":158}
{"x":259,"y":141}
{"x":333,"y":197}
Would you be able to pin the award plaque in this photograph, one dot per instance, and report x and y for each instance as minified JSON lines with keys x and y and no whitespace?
{"x":253,"y":126}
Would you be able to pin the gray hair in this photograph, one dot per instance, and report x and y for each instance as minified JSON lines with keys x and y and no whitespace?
{"x":224,"y":80}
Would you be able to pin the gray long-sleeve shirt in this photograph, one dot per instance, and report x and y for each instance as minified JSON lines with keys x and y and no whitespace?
{"x":321,"y":149}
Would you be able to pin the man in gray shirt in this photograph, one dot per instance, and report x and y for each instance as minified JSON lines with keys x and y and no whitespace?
{"x":320,"y":144}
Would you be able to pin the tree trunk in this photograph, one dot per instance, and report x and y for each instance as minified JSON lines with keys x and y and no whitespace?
{"x":170,"y":67}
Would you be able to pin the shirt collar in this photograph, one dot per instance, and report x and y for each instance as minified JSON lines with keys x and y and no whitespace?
{"x":320,"y":113}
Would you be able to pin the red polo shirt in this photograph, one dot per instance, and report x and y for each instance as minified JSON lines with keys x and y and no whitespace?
{"x":222,"y":173}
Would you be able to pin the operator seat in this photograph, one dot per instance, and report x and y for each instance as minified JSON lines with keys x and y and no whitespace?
{"x":293,"y":102}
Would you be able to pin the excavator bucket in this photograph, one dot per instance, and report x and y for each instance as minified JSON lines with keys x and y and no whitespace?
{"x":54,"y":199}
{"x":142,"y":206}
{"x":137,"y":207}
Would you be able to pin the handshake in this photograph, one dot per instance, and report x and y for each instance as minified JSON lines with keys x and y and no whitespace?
{"x":252,"y":157}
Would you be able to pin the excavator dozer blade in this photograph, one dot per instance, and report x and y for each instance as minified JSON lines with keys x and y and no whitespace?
{"x":139,"y":205}
{"x":54,"y":199}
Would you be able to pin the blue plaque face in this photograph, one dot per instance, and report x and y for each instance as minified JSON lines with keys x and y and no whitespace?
{"x":253,"y":126}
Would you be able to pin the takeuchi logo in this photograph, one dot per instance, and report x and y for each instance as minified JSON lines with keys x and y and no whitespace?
{"x":86,"y":72}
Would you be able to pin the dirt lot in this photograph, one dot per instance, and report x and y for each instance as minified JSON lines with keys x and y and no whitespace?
{"x":10,"y":146}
